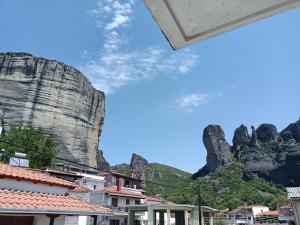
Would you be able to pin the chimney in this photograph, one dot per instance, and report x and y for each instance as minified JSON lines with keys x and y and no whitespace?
{"x":119,"y":187}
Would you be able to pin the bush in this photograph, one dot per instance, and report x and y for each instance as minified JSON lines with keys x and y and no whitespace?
{"x":40,"y":149}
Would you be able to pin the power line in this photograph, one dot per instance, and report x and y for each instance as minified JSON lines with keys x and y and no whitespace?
{"x":94,"y":168}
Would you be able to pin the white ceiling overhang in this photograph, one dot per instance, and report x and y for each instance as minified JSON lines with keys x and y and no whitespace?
{"x":184,"y":22}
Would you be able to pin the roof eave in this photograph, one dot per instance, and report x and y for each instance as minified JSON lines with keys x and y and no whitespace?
{"x":56,"y":212}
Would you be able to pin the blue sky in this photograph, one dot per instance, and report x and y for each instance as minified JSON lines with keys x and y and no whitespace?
{"x":158,"y":101}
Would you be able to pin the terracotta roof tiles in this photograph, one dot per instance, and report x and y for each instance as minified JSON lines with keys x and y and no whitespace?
{"x":124,"y":192}
{"x":11,"y":200}
{"x":35,"y":176}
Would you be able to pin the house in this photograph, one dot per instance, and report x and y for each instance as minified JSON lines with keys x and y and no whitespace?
{"x":294,"y":197}
{"x":286,"y":214}
{"x":113,"y":178}
{"x":268,"y":217}
{"x":118,"y":192}
{"x":65,"y":175}
{"x":30,"y":197}
{"x":245,"y":214}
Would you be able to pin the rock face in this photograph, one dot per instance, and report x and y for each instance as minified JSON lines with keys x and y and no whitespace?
{"x":139,"y":165}
{"x":49,"y":94}
{"x":267,"y":133}
{"x":291,"y":132}
{"x":266,"y":154}
{"x":102,"y":164}
{"x":241,"y":137}
{"x":218,"y":150}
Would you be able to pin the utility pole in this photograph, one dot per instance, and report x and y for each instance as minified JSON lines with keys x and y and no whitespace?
{"x":199,"y":206}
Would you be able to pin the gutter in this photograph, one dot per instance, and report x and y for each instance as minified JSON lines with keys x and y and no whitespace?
{"x":56,"y":212}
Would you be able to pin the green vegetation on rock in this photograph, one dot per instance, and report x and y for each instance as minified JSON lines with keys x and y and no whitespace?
{"x":222,"y":189}
{"x":40,"y":149}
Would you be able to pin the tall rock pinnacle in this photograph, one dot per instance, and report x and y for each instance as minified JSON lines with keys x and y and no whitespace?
{"x":56,"y":97}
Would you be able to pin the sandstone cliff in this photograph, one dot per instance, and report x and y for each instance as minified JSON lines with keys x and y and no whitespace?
{"x":57,"y":97}
{"x":266,"y":153}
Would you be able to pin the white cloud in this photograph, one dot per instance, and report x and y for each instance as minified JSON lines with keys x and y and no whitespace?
{"x":115,"y":66}
{"x":192,"y":101}
{"x":117,"y":69}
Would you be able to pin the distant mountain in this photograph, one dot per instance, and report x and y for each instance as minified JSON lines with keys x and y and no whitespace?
{"x":266,"y":153}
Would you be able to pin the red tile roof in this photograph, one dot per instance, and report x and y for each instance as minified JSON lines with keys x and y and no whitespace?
{"x":156,"y":199}
{"x":112,"y":190}
{"x":268,"y":213}
{"x":79,"y":189}
{"x":35,"y":176}
{"x":34,"y":202}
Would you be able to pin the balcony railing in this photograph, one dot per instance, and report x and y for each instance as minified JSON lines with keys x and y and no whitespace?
{"x":119,"y":209}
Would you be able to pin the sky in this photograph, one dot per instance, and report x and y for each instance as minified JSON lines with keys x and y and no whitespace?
{"x":158,"y":101}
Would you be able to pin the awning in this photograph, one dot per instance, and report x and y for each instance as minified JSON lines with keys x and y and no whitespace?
{"x":184,"y":22}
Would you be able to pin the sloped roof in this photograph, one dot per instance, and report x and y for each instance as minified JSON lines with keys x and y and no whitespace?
{"x":112,"y":190}
{"x":35,"y":176}
{"x":293,"y":192}
{"x":40,"y":203}
{"x":80,"y":189}
{"x":268,"y":213}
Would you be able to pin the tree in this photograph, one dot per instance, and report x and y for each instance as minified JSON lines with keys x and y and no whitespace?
{"x":40,"y":149}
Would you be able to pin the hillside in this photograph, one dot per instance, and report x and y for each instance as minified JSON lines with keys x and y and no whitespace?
{"x":221,"y":189}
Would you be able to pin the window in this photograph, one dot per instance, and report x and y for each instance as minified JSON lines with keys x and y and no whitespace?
{"x":95,"y":186}
{"x":127,"y":201}
{"x":114,"y":202}
{"x":137,"y":202}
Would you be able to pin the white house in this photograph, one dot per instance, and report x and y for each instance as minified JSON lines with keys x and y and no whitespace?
{"x":30,"y":197}
{"x":119,"y":192}
{"x":245,"y":214}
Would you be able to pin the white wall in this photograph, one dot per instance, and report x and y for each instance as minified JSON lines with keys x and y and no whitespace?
{"x":30,"y":186}
{"x":256,"y":210}
{"x":90,"y":183}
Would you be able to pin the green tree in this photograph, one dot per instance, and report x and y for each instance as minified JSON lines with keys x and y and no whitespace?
{"x":40,"y":149}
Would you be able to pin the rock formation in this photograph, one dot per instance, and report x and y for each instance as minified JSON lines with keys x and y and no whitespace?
{"x":56,"y":97}
{"x":241,"y":137}
{"x":291,"y":132}
{"x":102,"y":164}
{"x":218,"y":150}
{"x":139,"y":165}
{"x":267,"y":154}
{"x":267,"y":133}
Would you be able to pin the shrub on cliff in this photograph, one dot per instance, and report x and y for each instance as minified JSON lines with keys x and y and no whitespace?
{"x":41,"y":150}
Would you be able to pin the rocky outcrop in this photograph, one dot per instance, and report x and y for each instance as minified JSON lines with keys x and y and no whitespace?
{"x":57,"y":97}
{"x":218,"y":150}
{"x":266,"y":154}
{"x":139,"y":165}
{"x":267,"y":133}
{"x":102,"y":164}
{"x":241,"y":137}
{"x":291,"y":132}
